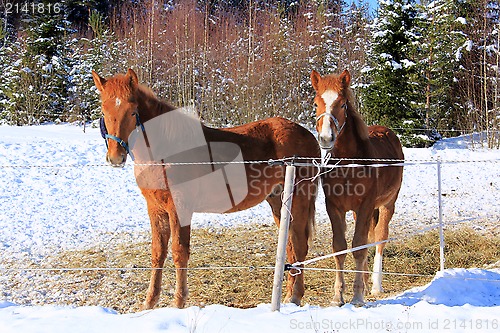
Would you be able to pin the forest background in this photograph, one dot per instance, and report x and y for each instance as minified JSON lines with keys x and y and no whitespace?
{"x":426,"y":69}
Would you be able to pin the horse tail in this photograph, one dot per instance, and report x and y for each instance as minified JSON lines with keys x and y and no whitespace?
{"x":373,"y":224}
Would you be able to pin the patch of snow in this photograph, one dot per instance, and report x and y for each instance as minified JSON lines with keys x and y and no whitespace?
{"x":47,"y":209}
{"x":456,"y":300}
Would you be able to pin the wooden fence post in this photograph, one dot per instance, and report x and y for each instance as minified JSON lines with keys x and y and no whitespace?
{"x":440,"y":212}
{"x":286,"y":207}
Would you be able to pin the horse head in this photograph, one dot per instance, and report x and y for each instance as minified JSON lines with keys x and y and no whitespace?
{"x":331,"y":105}
{"x":120,"y":111}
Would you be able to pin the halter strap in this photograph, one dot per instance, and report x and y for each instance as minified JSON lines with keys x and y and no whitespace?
{"x":335,"y":120}
{"x":121,"y":142}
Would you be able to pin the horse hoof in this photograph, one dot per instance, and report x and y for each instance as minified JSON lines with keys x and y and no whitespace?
{"x":295,"y":300}
{"x":337,"y":302}
{"x":358,"y":302}
{"x":377,"y":292}
{"x":179,"y":304}
{"x":146,"y":306}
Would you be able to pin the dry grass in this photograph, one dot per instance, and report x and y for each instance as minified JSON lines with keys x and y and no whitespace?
{"x":255,"y":246}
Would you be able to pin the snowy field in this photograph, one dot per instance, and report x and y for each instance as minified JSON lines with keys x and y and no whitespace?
{"x":48,"y":204}
{"x":456,"y":300}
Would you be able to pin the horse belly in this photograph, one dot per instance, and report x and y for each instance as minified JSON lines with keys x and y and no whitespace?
{"x":347,"y":188}
{"x":388,"y":185}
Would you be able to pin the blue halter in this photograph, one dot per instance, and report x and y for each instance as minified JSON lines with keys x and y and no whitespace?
{"x":121,"y":142}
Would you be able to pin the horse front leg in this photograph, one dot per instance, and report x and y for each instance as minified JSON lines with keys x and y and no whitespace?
{"x":360,"y":238}
{"x":160,"y":232}
{"x":181,"y":235}
{"x":296,"y":249}
{"x":337,"y":219}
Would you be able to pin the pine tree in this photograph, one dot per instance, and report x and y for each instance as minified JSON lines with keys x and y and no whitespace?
{"x":98,"y":53}
{"x":387,"y":99}
{"x":439,"y":61}
{"x":37,"y":87}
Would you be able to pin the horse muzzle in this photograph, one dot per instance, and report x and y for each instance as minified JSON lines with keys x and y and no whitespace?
{"x":326,"y":143}
{"x":116,"y":161}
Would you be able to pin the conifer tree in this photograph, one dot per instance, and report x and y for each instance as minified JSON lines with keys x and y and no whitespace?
{"x":387,"y":99}
{"x":37,"y":90}
{"x":439,"y":61}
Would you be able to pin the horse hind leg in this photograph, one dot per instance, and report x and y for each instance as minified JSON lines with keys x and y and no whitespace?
{"x":160,"y":230}
{"x":381,"y":233}
{"x":297,"y":236}
{"x":274,"y":200}
{"x":371,"y":239}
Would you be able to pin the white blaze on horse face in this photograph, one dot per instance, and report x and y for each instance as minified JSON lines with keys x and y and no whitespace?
{"x":329,"y":97}
{"x":118,"y":102}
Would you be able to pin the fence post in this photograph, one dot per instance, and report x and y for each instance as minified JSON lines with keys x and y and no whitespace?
{"x":286,"y":207}
{"x":440,"y":212}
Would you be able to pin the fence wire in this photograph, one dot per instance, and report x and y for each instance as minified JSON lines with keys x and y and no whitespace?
{"x":314,"y":162}
{"x":319,"y":163}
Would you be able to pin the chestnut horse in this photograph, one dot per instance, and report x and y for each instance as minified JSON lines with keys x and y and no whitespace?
{"x":370,"y":192}
{"x":129,"y":107}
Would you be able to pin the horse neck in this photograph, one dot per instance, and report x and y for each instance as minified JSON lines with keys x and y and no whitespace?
{"x":150,"y":107}
{"x":178,"y":126}
{"x":350,"y":142}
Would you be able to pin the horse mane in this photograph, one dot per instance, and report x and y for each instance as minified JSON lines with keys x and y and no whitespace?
{"x":180,"y":125}
{"x":151,"y":102}
{"x":354,"y":116}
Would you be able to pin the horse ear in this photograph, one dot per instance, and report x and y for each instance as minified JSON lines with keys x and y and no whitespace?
{"x":99,"y":81}
{"x":134,"y":81}
{"x":315,"y":78}
{"x":345,"y":78}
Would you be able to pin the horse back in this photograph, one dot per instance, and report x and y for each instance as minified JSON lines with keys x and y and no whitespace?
{"x":269,"y":138}
{"x":385,"y":143}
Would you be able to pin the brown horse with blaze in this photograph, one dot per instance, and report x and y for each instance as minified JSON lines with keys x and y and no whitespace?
{"x":128,"y":106}
{"x":370,"y":192}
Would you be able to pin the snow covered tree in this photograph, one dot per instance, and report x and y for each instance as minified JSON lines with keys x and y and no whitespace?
{"x":479,"y":73}
{"x":37,"y":89}
{"x":356,"y":43}
{"x":97,"y":53}
{"x":4,"y":66}
{"x":388,"y":98}
{"x":438,"y":55}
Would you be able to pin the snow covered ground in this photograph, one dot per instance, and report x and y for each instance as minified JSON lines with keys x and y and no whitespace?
{"x":45,"y":208}
{"x":457,"y":300}
{"x":47,"y":205}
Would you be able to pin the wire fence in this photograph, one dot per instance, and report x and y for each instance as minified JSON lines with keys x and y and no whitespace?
{"x":326,"y":163}
{"x":312,"y":162}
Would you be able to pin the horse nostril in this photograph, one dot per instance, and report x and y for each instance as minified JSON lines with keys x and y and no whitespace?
{"x":326,"y":142}
{"x":118,"y":161}
{"x":324,"y":139}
